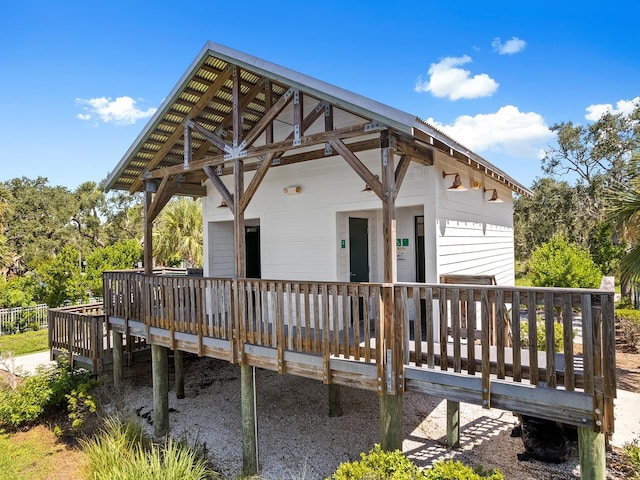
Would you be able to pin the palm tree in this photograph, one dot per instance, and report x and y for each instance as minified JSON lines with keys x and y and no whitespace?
{"x":625,"y":211}
{"x":178,"y":233}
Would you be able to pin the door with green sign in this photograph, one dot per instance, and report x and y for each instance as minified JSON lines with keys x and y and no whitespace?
{"x":359,"y":249}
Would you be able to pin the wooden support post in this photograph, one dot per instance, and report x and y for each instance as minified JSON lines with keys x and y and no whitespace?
{"x":591,"y":448}
{"x":453,"y":424}
{"x":150,"y":188}
{"x":118,"y":363}
{"x":391,"y":399}
{"x":160,"y":373}
{"x":391,"y":422}
{"x":178,"y":366}
{"x":335,"y":405}
{"x":249,"y":421}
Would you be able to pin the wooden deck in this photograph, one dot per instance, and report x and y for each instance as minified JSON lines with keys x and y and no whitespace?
{"x":468,"y":349}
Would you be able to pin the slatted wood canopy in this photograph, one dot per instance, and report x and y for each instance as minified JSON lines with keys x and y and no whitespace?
{"x":230,"y":106}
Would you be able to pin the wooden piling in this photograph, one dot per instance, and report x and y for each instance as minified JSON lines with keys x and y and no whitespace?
{"x":390,"y":422}
{"x":249,"y":428}
{"x":178,"y":366}
{"x":160,"y":372}
{"x":591,"y":448}
{"x":335,"y":405}
{"x":118,"y":363}
{"x":453,"y":424}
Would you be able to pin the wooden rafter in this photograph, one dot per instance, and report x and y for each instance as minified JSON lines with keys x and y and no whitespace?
{"x":178,"y":132}
{"x":359,"y":167}
{"x":268,"y":118}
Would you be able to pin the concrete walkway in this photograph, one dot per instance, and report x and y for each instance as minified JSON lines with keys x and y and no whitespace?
{"x":627,"y":412}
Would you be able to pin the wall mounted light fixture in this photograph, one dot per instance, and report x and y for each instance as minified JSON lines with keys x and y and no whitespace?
{"x":456,"y":186}
{"x":223,"y":204}
{"x":292,"y":190}
{"x":494,"y":197}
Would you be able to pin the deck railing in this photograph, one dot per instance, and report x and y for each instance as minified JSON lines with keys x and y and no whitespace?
{"x":81,"y":332}
{"x":463,"y":329}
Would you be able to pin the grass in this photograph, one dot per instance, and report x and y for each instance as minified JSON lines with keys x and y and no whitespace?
{"x":37,"y":454}
{"x":24,"y":343}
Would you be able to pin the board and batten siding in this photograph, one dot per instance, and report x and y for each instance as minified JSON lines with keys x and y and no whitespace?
{"x":301,"y":235}
{"x":474,"y":236}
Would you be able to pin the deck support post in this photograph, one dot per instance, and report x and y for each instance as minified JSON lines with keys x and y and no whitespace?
{"x":335,"y":405}
{"x":160,"y":373}
{"x":178,"y":367}
{"x":391,"y":382}
{"x":249,"y":423}
{"x":592,"y":451}
{"x":453,"y":424}
{"x":391,"y":422}
{"x":118,"y":361}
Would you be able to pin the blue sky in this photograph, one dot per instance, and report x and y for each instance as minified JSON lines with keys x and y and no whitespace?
{"x":79,"y":79}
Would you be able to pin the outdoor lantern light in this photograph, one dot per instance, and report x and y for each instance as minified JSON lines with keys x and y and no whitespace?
{"x":494,"y":198}
{"x":456,"y":186}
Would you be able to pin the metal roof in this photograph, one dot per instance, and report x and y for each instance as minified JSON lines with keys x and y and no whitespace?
{"x":204,"y":92}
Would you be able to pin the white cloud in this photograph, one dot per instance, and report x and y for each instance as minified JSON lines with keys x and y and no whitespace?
{"x":625,"y":107}
{"x":507,"y":131}
{"x":446,"y":79}
{"x":509,"y":47}
{"x":121,"y":111}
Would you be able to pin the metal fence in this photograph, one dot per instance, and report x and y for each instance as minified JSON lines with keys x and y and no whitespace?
{"x":19,"y":319}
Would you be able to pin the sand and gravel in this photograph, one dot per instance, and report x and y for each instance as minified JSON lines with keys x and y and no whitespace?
{"x":297,"y":438}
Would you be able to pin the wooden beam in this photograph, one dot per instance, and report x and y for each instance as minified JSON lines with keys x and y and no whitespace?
{"x":401,"y":171}
{"x":177,"y":133}
{"x":236,"y":110}
{"x":160,"y":199}
{"x":268,"y":160}
{"x":359,"y":167}
{"x":282,"y":146}
{"x":228,"y":119}
{"x":267,"y":118}
{"x":188,"y":189}
{"x":210,"y":137}
{"x":148,"y":228}
{"x":220,"y":187}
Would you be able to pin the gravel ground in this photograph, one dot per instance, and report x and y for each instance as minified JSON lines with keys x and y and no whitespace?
{"x":297,"y":438}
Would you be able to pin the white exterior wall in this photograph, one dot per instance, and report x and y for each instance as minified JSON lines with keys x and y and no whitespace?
{"x":473,"y":236}
{"x":301,"y":234}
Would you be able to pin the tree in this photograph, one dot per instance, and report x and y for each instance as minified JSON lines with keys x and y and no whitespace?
{"x":37,"y":223}
{"x":90,"y":203}
{"x":178,"y":232}
{"x":62,"y":279}
{"x":121,"y":255}
{"x":123,"y":216}
{"x":559,"y":263}
{"x":625,"y":213}
{"x":551,"y":211}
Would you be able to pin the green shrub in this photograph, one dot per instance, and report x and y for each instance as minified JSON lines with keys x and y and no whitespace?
{"x":80,"y":404}
{"x":378,"y":465}
{"x":632,"y":452}
{"x":541,"y":335}
{"x":455,"y":470}
{"x":120,"y":451}
{"x":381,"y":465}
{"x":630,"y":325}
{"x":559,"y":263}
{"x":38,"y":393}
